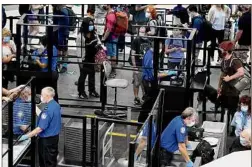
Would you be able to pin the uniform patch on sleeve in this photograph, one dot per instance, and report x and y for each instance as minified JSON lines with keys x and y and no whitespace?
{"x":182,"y":130}
{"x":43,"y":116}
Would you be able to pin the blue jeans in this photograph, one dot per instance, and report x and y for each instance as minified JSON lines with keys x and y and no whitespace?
{"x":112,"y":47}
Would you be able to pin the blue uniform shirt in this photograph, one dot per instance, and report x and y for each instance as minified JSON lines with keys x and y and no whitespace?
{"x":44,"y":60}
{"x":241,"y":121}
{"x":174,"y":134}
{"x":178,"y":44}
{"x":148,"y":66}
{"x":146,"y":132}
{"x":49,"y":120}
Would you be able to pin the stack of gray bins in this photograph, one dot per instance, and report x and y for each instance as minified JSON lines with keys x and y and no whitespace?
{"x":62,"y":133}
{"x":217,"y":130}
{"x":74,"y":141}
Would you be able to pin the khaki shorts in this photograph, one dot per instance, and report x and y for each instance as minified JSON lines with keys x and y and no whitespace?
{"x":137,"y":79}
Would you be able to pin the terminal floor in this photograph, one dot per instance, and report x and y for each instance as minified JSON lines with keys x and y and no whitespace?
{"x":67,"y":89}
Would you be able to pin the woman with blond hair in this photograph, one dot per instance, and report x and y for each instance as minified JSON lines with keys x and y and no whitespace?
{"x":8,"y":55}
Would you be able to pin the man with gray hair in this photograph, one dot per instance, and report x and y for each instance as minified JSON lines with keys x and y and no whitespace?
{"x":48,"y":129}
{"x":174,"y":137}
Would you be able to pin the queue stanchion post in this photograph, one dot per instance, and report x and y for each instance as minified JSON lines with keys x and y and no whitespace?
{"x":84,"y":128}
{"x":33,"y":121}
{"x":204,"y":53}
{"x":11,"y":24}
{"x":25,"y":35}
{"x":47,"y":13}
{"x":188,"y":71}
{"x":82,"y":10}
{"x":96,"y":142}
{"x":49,"y":33}
{"x":132,"y":147}
{"x":10,"y":135}
{"x":18,"y":51}
{"x":156,"y":61}
{"x":149,"y":141}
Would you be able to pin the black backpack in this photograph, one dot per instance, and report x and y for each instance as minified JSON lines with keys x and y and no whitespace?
{"x":23,"y":8}
{"x":206,"y":28}
{"x":72,"y":19}
{"x":205,"y":151}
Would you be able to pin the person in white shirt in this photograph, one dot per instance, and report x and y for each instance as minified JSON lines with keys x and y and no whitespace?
{"x":217,"y":17}
{"x":33,"y":30}
{"x":8,"y":55}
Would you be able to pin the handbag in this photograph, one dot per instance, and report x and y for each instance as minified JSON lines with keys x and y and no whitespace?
{"x":100,"y":57}
{"x":240,"y":83}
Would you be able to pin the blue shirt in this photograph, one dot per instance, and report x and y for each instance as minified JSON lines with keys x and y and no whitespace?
{"x":64,"y":21}
{"x":139,"y":16}
{"x":146,"y":132}
{"x":21,"y":115}
{"x":49,"y":120}
{"x":148,"y":66}
{"x":198,"y":24}
{"x":241,"y":121}
{"x":174,"y":134}
{"x":44,"y":60}
{"x":171,"y":43}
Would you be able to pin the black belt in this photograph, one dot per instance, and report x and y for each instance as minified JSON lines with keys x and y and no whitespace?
{"x":49,"y":137}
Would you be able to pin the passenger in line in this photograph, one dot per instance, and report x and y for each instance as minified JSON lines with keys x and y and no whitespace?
{"x":231,"y":69}
{"x":243,"y":34}
{"x":87,"y":39}
{"x":8,"y":57}
{"x":110,"y":38}
{"x":217,"y":17}
{"x":138,"y":49}
{"x":197,"y":22}
{"x":61,"y":32}
{"x":175,"y":48}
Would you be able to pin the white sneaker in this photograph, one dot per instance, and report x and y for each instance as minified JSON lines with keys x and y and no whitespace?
{"x":213,"y":63}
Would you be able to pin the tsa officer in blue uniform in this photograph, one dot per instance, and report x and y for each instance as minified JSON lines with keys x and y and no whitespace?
{"x":174,"y":137}
{"x":48,"y":129}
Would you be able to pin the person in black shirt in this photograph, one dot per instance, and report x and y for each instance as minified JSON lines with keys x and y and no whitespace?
{"x":138,"y":49}
{"x":3,"y":17}
{"x":243,"y":36}
{"x":91,"y":43}
{"x":231,"y":69}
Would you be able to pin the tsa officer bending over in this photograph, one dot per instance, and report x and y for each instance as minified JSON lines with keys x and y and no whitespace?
{"x":48,"y":129}
{"x":174,"y":137}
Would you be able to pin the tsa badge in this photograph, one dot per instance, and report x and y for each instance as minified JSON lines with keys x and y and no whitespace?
{"x":43,"y":116}
{"x":20,"y":114}
{"x":182,"y":130}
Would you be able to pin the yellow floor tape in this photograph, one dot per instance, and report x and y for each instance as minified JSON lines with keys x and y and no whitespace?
{"x":113,"y":133}
{"x":121,"y":135}
{"x":94,"y":116}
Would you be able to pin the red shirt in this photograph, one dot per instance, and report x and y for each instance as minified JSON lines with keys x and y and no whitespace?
{"x":110,"y":24}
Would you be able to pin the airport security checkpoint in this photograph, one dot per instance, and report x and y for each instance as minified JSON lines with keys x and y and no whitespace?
{"x":191,"y":62}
